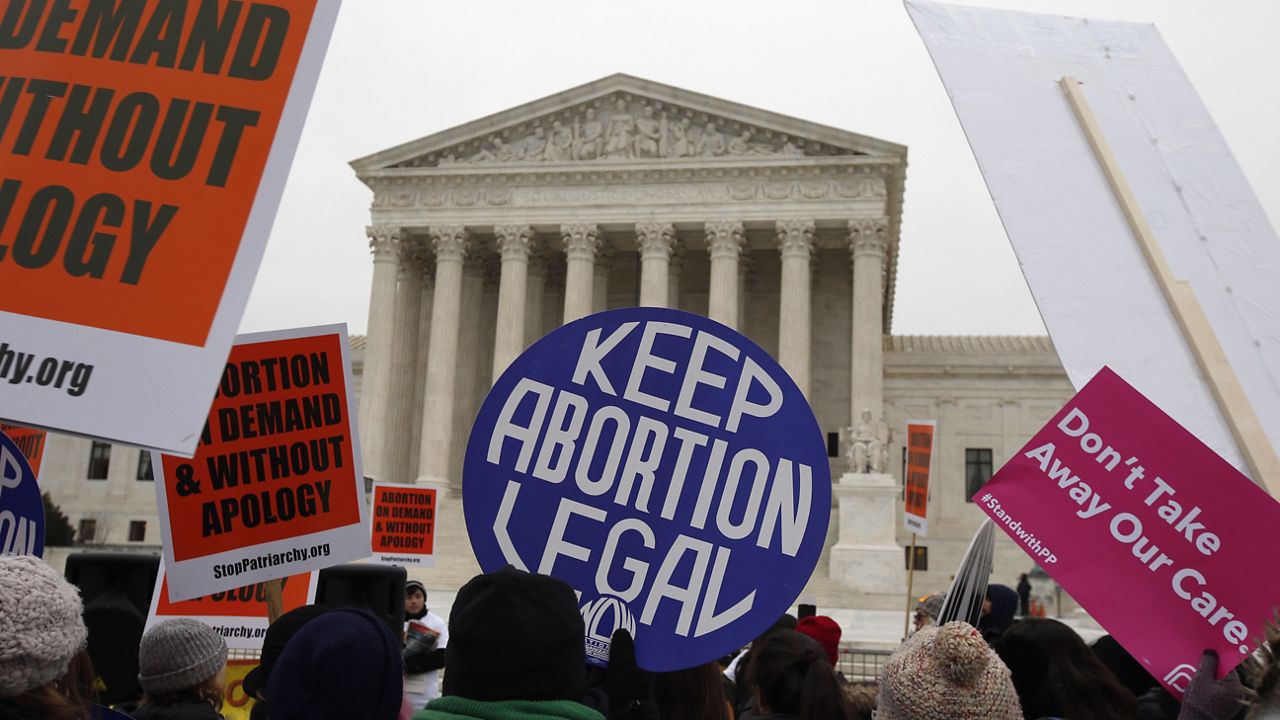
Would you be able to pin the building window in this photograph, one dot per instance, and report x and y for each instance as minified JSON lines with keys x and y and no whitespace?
{"x":99,"y":460}
{"x":977,"y":470}
{"x":833,"y":445}
{"x":922,"y":557}
{"x":137,"y":530}
{"x":88,"y":530}
{"x":144,"y":466}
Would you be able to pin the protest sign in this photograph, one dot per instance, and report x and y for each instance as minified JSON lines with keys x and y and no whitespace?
{"x":144,"y":149}
{"x":238,"y":615}
{"x":236,"y":703}
{"x":1149,"y":530}
{"x":30,"y":441}
{"x":1188,"y":329}
{"x":21,"y":507}
{"x":919,"y":460}
{"x":275,"y":487}
{"x":664,"y":466}
{"x":403,"y":524}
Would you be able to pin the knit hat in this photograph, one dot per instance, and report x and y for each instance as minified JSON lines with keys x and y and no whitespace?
{"x":40,"y":624}
{"x":931,"y":605}
{"x":949,"y":673}
{"x":273,"y":643}
{"x":179,"y":654}
{"x":412,"y":585}
{"x":343,"y":664}
{"x":826,"y":631}
{"x":514,"y":635}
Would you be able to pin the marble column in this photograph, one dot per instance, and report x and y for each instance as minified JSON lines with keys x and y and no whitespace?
{"x":423,"y":355}
{"x":674,"y":269}
{"x":795,"y":240}
{"x":508,"y":338}
{"x":397,"y":434}
{"x":451,"y":244}
{"x":724,"y":245}
{"x":535,"y":294}
{"x":867,"y":242}
{"x":600,"y":287}
{"x":375,"y":387}
{"x":471,"y":361}
{"x":654,"y":242}
{"x":580,"y":243}
{"x":744,"y":284}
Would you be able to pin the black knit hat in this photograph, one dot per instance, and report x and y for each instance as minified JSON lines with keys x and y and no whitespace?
{"x":278,"y":634}
{"x":342,"y":665}
{"x":514,"y":635}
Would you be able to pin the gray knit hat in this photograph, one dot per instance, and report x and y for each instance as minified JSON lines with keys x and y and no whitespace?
{"x":40,"y":624}
{"x":179,"y":654}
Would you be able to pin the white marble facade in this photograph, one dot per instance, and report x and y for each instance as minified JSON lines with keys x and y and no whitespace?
{"x":626,"y":192}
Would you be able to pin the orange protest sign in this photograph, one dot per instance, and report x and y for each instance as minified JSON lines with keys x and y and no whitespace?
{"x":919,"y":459}
{"x":403,"y":524}
{"x":143,"y":151}
{"x":239,"y":614}
{"x":30,"y":441}
{"x":275,"y":487}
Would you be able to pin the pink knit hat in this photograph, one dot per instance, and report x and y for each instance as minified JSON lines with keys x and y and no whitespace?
{"x":946,"y":673}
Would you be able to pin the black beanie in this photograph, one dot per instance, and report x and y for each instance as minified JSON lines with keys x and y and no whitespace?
{"x":278,"y":635}
{"x":514,"y":635}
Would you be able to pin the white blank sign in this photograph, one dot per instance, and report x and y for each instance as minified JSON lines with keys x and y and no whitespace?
{"x":1098,"y":298}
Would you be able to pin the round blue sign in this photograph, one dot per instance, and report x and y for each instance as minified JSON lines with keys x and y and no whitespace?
{"x":664,"y":466}
{"x":21,"y":509}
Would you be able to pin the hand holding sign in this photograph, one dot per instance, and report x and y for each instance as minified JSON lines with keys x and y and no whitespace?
{"x":664,"y":466}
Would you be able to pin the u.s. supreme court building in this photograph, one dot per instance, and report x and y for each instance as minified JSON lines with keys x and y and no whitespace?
{"x":626,"y":192}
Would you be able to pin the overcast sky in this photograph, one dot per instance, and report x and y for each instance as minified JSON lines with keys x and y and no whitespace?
{"x":398,"y":70}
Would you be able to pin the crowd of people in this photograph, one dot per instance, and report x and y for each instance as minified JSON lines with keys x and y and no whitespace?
{"x":513,"y":648}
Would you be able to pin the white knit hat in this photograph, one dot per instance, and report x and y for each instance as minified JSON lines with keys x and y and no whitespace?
{"x":40,"y":624}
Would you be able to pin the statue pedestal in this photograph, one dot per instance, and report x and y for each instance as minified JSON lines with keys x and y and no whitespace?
{"x":866,"y":555}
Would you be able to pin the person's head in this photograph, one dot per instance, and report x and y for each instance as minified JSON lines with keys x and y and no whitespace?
{"x":415,"y":597}
{"x":514,"y":635}
{"x":825,"y":631}
{"x":946,"y":671}
{"x":273,"y":643}
{"x":928,"y":608}
{"x":791,"y":674}
{"x":182,"y":662}
{"x":1088,"y":688}
{"x":1131,"y":673}
{"x":693,"y":694}
{"x":1023,"y":578}
{"x":41,"y":630}
{"x":998,"y":609}
{"x":343,"y":664}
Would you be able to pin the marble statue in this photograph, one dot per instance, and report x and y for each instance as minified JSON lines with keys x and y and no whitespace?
{"x":589,"y":139}
{"x":560,"y":144}
{"x":618,"y":135}
{"x":648,"y":134}
{"x":535,"y":146}
{"x":681,"y":146}
{"x":740,"y":145}
{"x":711,"y":142}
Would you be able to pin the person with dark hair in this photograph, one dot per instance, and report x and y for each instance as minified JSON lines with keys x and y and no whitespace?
{"x":273,"y":643}
{"x":41,"y":631}
{"x":744,"y":691}
{"x":1131,"y":674}
{"x":1029,"y":668}
{"x":947,"y":673}
{"x":182,"y":667}
{"x":693,"y":694}
{"x":1085,"y":686}
{"x":793,"y":678}
{"x":342,"y":665}
{"x":516,"y":650}
{"x":426,"y":637}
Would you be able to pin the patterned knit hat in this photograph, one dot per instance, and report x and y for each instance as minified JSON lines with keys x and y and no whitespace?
{"x":946,"y":673}
{"x":179,"y":654}
{"x":40,"y":624}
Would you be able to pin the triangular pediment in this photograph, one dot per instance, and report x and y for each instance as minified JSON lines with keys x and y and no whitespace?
{"x":624,"y":119}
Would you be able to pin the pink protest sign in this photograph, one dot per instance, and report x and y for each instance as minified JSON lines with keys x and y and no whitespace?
{"x":1152,"y":532}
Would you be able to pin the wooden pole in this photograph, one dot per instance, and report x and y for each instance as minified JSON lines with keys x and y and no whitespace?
{"x":274,"y":591}
{"x":1250,"y":437}
{"x":911,"y":576}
